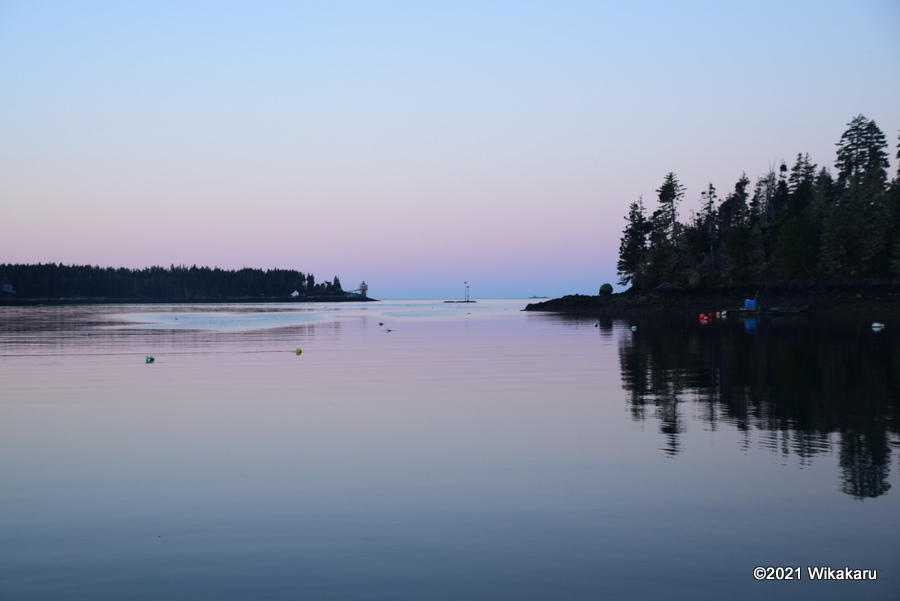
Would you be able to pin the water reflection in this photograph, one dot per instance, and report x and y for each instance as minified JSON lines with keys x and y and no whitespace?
{"x":138,"y":329}
{"x":487,"y":452}
{"x":808,"y":387}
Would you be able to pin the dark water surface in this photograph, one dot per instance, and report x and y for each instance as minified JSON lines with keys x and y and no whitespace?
{"x":473,"y":452}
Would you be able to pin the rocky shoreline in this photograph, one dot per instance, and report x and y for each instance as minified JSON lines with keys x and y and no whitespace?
{"x":859,"y":301}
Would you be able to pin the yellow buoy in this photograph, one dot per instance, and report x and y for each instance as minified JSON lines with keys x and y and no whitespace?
{"x":298,"y":351}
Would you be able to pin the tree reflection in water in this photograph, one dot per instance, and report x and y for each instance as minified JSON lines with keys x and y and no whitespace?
{"x":805,"y":384}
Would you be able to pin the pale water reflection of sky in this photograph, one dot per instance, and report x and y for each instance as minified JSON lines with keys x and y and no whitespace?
{"x":236,"y":318}
{"x":217,"y":320}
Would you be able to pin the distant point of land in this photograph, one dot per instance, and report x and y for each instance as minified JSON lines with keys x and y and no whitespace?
{"x":9,"y":301}
{"x":58,"y":284}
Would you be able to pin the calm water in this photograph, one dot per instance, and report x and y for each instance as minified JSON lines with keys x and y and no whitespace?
{"x":472,"y":452}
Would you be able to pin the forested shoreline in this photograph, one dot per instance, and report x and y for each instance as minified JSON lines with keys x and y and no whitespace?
{"x":796,"y":225}
{"x":57,"y":281}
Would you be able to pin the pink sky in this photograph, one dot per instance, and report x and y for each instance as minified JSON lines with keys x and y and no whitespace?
{"x":412,"y":146}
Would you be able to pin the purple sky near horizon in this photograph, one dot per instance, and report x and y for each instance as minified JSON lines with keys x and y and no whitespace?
{"x":412,"y":145}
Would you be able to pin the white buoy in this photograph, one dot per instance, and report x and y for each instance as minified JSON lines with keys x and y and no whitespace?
{"x":634,"y":328}
{"x":877,"y":327}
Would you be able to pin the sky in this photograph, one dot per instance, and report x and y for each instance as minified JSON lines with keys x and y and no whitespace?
{"x":413,"y":145}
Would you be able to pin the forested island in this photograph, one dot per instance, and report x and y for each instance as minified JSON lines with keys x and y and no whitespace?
{"x":50,"y":282}
{"x":798,"y":231}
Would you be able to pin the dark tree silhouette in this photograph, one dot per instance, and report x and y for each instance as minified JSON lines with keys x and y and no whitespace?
{"x":799,"y":224}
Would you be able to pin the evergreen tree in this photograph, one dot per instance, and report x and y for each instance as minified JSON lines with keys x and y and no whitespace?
{"x":800,"y":185}
{"x":862,"y":218}
{"x":735,"y":231}
{"x":663,"y":263}
{"x":763,"y":193}
{"x":762,"y":207}
{"x":862,"y":154}
{"x":778,"y":200}
{"x":895,"y":230}
{"x":708,"y":215}
{"x":795,"y":241}
{"x":633,"y":246}
{"x":733,"y":211}
{"x":700,"y":241}
{"x":803,"y":173}
{"x":665,"y":218}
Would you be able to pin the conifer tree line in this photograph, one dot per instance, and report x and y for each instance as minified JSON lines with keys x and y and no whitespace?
{"x":73,"y":281}
{"x":799,"y":224}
